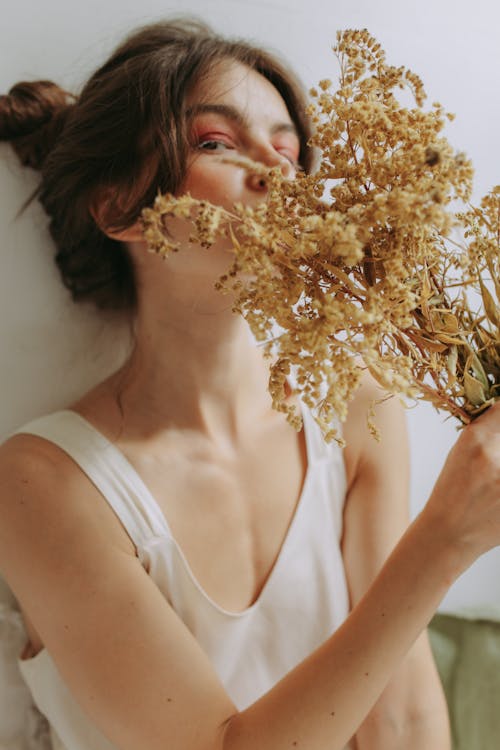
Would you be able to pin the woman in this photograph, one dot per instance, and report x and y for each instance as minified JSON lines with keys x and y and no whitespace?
{"x":185,"y":561}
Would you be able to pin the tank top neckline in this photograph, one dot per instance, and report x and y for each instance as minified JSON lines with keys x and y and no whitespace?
{"x":130,"y":474}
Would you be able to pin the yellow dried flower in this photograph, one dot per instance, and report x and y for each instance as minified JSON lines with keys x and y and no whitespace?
{"x":355,"y":265}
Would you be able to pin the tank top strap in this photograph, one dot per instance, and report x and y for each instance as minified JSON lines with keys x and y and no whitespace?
{"x":107,"y":468}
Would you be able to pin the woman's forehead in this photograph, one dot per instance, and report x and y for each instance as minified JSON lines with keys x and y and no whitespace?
{"x":232,"y":85}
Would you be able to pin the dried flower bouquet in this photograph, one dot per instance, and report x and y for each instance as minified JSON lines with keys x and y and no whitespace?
{"x":354,"y":266}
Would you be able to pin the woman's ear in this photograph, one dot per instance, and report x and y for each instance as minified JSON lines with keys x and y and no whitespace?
{"x":130,"y":234}
{"x":103,"y":207}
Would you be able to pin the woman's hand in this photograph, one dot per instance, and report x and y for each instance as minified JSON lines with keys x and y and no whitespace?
{"x":465,"y":501}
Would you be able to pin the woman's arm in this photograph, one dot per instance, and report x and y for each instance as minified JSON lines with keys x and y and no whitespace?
{"x":412,"y":711}
{"x":140,"y":675}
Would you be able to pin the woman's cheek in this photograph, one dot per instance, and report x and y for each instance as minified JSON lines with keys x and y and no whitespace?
{"x":220,"y":187}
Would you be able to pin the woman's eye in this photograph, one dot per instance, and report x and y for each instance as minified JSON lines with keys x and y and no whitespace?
{"x":291,"y":158}
{"x":213,"y":145}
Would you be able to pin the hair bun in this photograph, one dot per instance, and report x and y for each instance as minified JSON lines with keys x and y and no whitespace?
{"x":32,"y":116}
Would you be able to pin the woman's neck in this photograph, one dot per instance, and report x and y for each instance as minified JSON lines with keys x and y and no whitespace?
{"x":195,"y":365}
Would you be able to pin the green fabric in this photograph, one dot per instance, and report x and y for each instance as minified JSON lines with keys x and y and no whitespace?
{"x":467,"y":654}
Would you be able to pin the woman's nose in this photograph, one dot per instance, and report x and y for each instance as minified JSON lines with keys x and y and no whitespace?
{"x":257,"y":182}
{"x":270,"y":158}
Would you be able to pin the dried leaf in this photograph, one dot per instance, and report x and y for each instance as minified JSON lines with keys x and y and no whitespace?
{"x":450,"y":340}
{"x":494,"y":276}
{"x":490,"y":306}
{"x":474,"y":390}
{"x":444,"y":321}
{"x":473,"y":363}
{"x":428,"y":343}
{"x":451,"y":363}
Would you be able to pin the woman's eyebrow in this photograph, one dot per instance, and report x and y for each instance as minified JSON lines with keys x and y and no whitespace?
{"x":233,"y":114}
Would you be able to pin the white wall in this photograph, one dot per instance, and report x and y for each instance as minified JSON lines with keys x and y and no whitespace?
{"x":52,"y":350}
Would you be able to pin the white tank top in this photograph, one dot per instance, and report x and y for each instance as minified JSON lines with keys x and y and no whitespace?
{"x":303,"y":601}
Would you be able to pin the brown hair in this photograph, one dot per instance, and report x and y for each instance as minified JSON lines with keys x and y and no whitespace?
{"x":129,"y":114}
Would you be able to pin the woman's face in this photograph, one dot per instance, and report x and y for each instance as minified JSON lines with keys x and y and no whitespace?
{"x":233,"y":113}
{"x":236,"y":112}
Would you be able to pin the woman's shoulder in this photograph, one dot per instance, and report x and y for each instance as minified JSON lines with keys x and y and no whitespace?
{"x":25,"y":454}
{"x":34,"y":447}
{"x":371,"y":406}
{"x":35,"y":476}
{"x":43,"y":488}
